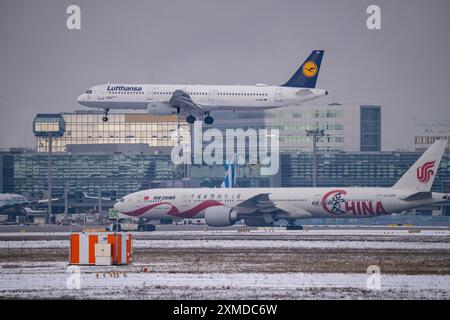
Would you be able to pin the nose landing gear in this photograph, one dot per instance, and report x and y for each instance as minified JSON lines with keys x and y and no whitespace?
{"x":105,"y":115}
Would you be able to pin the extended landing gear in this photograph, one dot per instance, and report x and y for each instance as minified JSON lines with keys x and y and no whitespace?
{"x":292,"y":225}
{"x":105,"y":115}
{"x":190,"y":119}
{"x":208,"y":119}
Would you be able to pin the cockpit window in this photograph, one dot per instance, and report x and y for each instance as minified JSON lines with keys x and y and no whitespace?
{"x":122,"y":200}
{"x":89,"y":91}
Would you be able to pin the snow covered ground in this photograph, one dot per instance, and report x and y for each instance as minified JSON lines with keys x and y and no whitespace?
{"x":333,"y":231}
{"x":55,"y":281}
{"x":243,"y":244}
{"x":240,"y":265}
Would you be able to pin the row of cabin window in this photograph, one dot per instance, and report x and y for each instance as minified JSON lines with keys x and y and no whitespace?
{"x":220,"y":94}
{"x":275,"y":200}
{"x":132,"y":92}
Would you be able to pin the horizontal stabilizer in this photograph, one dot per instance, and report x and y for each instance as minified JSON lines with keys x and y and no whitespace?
{"x":417,"y":196}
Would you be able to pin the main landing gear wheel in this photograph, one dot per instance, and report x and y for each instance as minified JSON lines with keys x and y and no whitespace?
{"x":209,"y":120}
{"x":293,"y":226}
{"x":105,"y":115}
{"x":190,"y":119}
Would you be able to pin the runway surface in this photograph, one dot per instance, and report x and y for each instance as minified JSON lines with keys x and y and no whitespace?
{"x":238,"y":263}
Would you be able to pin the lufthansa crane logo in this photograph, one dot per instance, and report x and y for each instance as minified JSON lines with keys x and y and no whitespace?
{"x":425,"y":172}
{"x":309,"y":69}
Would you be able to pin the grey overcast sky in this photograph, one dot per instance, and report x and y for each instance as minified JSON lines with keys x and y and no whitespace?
{"x":404,"y":67}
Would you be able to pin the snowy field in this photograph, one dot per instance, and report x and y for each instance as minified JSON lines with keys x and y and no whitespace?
{"x":344,"y":231}
{"x":54,"y":281}
{"x":260,"y":264}
{"x":243,"y":244}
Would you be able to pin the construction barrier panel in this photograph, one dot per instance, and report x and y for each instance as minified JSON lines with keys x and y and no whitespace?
{"x":106,"y":247}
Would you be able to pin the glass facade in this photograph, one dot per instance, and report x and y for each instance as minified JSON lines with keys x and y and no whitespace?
{"x":371,"y":169}
{"x":7,"y":174}
{"x":112,"y":174}
{"x":212,"y":176}
{"x":347,"y":128}
{"x":370,"y":128}
{"x":427,"y":132}
{"x":292,"y":126}
{"x":120,"y":174}
{"x":87,"y":127}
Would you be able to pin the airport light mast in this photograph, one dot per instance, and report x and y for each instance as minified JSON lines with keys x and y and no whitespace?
{"x":316,"y":134}
{"x":50,"y":126}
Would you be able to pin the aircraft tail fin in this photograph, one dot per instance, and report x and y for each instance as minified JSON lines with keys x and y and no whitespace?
{"x":420,"y":176}
{"x":231,"y":173}
{"x":306,"y":76}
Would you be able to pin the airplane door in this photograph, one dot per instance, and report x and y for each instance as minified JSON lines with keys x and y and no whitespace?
{"x":278,"y":95}
{"x":138,"y":203}
{"x":100,"y":94}
{"x":183,"y":201}
{"x":150,"y":93}
{"x":212,"y":95}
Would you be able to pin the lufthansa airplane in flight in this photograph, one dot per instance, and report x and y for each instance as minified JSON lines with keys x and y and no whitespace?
{"x":194,"y":101}
{"x":263,"y":206}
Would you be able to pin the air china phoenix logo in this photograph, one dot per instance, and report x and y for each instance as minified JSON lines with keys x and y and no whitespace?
{"x":425,"y":172}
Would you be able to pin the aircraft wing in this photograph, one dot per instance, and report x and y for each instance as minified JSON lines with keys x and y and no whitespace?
{"x":14,"y":204}
{"x":260,"y":203}
{"x":96,"y":198}
{"x":43,"y":201}
{"x":182,"y":100}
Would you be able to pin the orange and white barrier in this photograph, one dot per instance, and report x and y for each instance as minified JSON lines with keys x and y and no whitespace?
{"x":100,"y":248}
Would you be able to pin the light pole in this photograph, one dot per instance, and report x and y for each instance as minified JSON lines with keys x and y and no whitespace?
{"x":49,"y":126}
{"x":100,"y":207}
{"x":49,"y":210}
{"x":66,"y":203}
{"x":316,"y":134}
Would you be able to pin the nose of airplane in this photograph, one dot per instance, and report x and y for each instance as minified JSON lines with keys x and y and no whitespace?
{"x":80,"y":98}
{"x":117,"y":206}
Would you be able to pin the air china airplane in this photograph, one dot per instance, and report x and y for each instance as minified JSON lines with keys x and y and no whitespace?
{"x":200,"y":100}
{"x":263,"y":206}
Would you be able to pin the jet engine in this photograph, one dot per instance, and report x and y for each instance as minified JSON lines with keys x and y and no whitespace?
{"x":220,"y":216}
{"x":160,"y":109}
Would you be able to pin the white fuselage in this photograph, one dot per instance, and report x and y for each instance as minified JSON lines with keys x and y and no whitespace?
{"x":294,"y":203}
{"x":155,"y":98}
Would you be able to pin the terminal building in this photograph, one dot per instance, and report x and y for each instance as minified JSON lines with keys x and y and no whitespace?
{"x":114,"y":174}
{"x":427,"y":132}
{"x":87,"y":127}
{"x":131,"y":152}
{"x":347,"y":128}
